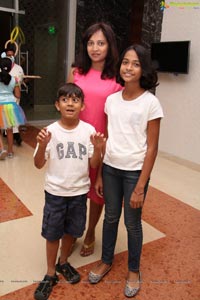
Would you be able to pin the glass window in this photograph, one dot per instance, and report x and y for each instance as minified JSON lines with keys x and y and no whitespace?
{"x":7,"y":3}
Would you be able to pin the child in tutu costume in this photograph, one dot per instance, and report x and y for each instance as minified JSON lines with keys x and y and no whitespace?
{"x":11,"y":114}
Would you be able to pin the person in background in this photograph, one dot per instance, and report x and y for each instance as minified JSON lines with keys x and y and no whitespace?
{"x":70,"y":146}
{"x":11,"y":114}
{"x":134,"y":116}
{"x":3,"y":152}
{"x":18,"y":73}
{"x":94,"y":70}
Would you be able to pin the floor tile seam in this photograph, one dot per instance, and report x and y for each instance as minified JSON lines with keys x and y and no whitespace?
{"x":174,"y":197}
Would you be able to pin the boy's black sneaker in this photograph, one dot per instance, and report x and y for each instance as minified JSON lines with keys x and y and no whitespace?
{"x":70,"y":274}
{"x":44,"y":288}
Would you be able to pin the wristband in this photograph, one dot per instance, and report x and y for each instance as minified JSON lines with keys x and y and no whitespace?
{"x":138,"y":194}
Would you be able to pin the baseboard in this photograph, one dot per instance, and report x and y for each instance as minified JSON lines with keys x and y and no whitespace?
{"x":181,"y":161}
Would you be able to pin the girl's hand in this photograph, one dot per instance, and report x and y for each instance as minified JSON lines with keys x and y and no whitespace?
{"x":98,"y":140}
{"x":99,"y":186}
{"x":137,"y":200}
{"x":43,"y":137}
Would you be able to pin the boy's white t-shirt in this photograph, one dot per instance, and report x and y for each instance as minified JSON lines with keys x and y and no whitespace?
{"x":127,"y":129}
{"x":68,"y":154}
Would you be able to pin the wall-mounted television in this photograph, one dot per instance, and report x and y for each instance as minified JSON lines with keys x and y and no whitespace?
{"x":171,"y":57}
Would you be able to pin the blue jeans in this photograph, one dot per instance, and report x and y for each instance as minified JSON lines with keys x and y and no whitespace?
{"x":118,"y":185}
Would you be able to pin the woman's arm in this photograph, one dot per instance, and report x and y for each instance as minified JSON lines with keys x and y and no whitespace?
{"x":70,"y":77}
{"x":153,"y":129}
{"x":99,"y":180}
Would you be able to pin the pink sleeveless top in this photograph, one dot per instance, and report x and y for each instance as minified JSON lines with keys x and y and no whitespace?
{"x":96,"y":91}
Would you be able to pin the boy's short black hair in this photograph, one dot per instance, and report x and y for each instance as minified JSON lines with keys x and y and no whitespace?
{"x":70,"y":89}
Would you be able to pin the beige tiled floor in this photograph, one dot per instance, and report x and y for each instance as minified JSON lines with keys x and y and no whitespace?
{"x":22,"y":249}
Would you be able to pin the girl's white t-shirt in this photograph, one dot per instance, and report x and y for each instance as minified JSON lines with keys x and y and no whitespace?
{"x":127,"y":129}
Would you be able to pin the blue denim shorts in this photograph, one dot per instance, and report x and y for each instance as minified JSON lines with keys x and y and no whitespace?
{"x":63,"y":215}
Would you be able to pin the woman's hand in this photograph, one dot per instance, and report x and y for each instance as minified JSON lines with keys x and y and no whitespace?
{"x":99,"y":186}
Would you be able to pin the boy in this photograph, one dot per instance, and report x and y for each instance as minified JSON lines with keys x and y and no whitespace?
{"x":71,"y":146}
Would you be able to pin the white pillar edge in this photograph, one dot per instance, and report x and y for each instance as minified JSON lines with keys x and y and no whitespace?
{"x":71,"y":34}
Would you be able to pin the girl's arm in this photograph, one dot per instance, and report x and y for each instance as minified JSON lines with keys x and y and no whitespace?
{"x":17,"y":92}
{"x":153,"y":129}
{"x":70,"y":77}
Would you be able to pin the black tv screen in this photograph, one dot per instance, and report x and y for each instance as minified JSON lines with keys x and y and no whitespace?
{"x":171,"y":57}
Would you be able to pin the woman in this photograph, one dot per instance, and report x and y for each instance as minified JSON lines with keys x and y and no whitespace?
{"x":94,"y":71}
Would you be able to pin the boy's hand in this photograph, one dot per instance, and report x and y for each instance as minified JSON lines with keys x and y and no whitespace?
{"x":43,"y":137}
{"x":98,"y":140}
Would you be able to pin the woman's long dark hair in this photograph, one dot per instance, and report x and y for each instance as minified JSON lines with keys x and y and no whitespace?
{"x":83,"y":61}
{"x":149,"y":78}
{"x":5,"y":67}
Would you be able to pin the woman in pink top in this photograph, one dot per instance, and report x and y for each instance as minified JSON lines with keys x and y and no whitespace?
{"x":94,"y":71}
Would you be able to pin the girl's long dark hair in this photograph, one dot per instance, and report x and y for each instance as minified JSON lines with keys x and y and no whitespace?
{"x":149,"y":78}
{"x":83,"y":62}
{"x":5,"y":67}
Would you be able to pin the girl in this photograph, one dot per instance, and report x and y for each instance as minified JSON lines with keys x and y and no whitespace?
{"x":11,"y":113}
{"x":133,"y":130}
{"x":94,"y":71}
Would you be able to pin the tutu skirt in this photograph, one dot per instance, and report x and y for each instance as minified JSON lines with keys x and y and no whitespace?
{"x":11,"y":115}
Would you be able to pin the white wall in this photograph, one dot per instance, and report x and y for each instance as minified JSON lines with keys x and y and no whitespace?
{"x":180,"y":95}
